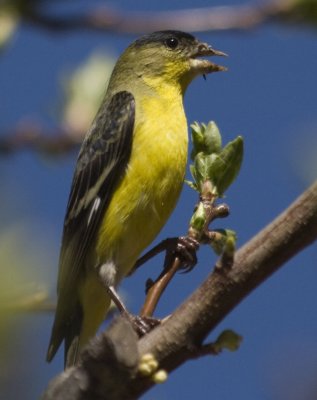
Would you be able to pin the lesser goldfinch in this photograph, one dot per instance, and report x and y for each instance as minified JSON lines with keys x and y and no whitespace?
{"x":128,"y":178}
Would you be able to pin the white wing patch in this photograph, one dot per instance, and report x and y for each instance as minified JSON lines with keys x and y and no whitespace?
{"x":94,"y":209}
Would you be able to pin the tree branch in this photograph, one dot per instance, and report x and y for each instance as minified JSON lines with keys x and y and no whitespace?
{"x":30,"y":137}
{"x":196,"y":19}
{"x":176,"y":340}
{"x":110,"y":360}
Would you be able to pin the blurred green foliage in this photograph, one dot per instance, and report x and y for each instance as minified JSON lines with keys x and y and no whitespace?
{"x":83,"y":91}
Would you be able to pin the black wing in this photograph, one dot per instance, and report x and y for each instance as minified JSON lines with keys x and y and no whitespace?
{"x":101,"y":163}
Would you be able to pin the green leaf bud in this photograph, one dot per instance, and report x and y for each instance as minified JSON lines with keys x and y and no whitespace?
{"x":198,"y":219}
{"x":229,"y":340}
{"x":226,"y":166}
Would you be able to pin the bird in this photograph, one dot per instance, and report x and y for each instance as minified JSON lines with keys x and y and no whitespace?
{"x":128,"y":178}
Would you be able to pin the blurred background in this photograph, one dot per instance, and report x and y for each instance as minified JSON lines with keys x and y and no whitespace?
{"x":52,"y":79}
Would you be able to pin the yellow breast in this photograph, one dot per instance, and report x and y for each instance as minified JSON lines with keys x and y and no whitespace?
{"x":150,"y":188}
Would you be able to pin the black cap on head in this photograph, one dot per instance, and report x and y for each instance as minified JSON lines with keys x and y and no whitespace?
{"x":162,"y":36}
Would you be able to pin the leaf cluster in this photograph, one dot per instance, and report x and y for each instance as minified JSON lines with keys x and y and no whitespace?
{"x":214,"y":168}
{"x":212,"y":162}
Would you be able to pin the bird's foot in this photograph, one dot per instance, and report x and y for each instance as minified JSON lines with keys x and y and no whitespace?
{"x":142,"y":325}
{"x":184,"y":247}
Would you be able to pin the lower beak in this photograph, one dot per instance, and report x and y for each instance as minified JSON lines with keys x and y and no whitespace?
{"x":202,"y":66}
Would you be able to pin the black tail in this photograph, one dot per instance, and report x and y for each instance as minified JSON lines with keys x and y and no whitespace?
{"x":66,"y":328}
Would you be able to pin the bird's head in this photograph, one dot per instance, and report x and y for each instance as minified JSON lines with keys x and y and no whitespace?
{"x":168,"y":56}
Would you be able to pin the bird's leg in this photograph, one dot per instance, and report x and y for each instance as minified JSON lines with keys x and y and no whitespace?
{"x":113,"y":294}
{"x":184,"y":246}
{"x":180,"y":254}
{"x":155,"y":289}
{"x":141,"y":325}
{"x":162,"y":246}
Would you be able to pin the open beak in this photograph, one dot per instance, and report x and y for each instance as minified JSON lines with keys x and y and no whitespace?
{"x":202,"y":66}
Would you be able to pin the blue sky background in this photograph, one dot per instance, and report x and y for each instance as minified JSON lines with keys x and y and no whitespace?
{"x":269,"y":95}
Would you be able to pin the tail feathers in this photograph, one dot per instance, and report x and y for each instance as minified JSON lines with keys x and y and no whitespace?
{"x":55,"y":342}
{"x":72,"y":336}
{"x":68,"y":330}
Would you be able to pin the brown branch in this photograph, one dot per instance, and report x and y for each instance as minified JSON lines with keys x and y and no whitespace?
{"x":288,"y":234}
{"x":172,"y":342}
{"x":110,"y":360}
{"x":196,"y":19}
{"x":33,"y":138}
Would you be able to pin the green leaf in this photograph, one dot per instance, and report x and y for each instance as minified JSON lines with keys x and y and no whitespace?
{"x":212,"y":138}
{"x":193,"y":172}
{"x":225,"y":239}
{"x":229,"y":340}
{"x":198,"y":219}
{"x":205,"y":138}
{"x":226,"y":166}
{"x":200,"y":169}
{"x":230,"y":245}
{"x":219,"y":166}
{"x":191,"y":184}
{"x":197,"y":139}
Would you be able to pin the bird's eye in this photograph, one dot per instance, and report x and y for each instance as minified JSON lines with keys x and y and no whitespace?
{"x":172,"y":43}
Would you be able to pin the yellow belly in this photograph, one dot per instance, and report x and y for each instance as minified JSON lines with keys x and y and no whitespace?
{"x":148,"y":193}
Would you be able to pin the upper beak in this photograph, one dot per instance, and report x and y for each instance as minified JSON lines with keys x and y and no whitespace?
{"x":205,"y":66}
{"x":204,"y":49}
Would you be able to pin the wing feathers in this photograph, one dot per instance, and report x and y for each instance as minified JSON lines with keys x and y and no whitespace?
{"x":102,"y":159}
{"x":101,"y":162}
